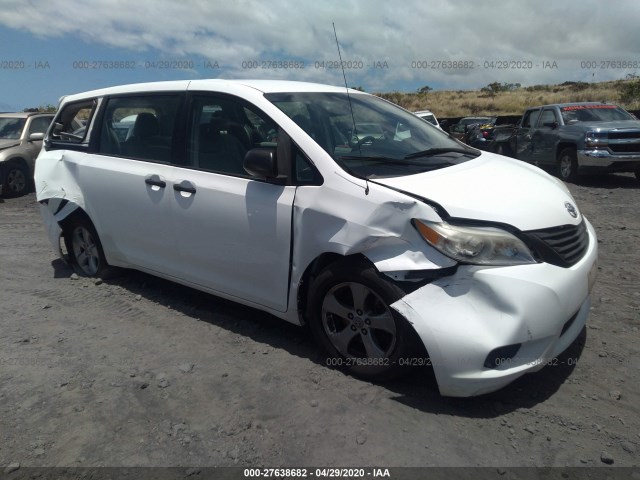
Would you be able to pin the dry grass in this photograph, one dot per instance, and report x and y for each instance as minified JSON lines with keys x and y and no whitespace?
{"x":449,"y":103}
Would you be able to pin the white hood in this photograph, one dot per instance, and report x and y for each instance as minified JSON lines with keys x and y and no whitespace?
{"x":494,"y":188}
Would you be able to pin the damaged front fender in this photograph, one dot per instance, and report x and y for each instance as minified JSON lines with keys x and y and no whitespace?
{"x":376,"y":224}
{"x":57,"y":192}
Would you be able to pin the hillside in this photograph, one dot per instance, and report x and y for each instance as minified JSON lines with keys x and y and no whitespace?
{"x":449,"y":103}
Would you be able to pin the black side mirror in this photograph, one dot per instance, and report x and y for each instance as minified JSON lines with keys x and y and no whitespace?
{"x":261,"y":163}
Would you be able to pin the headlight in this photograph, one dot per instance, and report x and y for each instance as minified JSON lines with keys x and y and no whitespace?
{"x":475,"y":245}
{"x":596,"y":139}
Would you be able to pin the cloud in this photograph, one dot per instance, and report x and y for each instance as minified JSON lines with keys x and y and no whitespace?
{"x":374,"y":32}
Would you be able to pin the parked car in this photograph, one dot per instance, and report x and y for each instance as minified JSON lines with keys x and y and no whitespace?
{"x":21,"y":137}
{"x":395,"y":251}
{"x":480,"y":135}
{"x":459,"y":129}
{"x":428,"y":116}
{"x":574,"y":138}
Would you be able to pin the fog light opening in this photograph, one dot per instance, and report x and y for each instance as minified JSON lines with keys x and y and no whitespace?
{"x":501,"y":357}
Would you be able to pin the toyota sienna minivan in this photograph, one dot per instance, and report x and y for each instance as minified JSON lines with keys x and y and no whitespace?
{"x":396,"y":250}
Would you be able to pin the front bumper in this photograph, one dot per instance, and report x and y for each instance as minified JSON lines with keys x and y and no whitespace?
{"x":593,"y":160}
{"x":461,"y":319}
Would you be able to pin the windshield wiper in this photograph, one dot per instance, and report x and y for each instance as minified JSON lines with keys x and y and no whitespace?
{"x":430,"y":152}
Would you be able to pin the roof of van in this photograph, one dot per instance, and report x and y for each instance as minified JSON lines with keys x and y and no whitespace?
{"x":265,"y":86}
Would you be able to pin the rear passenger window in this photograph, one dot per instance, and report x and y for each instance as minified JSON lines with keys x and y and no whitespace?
{"x":222,"y":130}
{"x":139,"y":127}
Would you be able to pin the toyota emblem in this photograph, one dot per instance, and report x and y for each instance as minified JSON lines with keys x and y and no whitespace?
{"x":571,"y":209}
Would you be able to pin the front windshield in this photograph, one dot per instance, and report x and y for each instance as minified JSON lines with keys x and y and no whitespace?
{"x":11,"y":128}
{"x":593,"y":113}
{"x":386,"y":140}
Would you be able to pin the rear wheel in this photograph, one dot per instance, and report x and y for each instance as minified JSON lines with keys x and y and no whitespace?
{"x":568,"y":165}
{"x":351,"y":318}
{"x":85,"y":251}
{"x":16,"y":180}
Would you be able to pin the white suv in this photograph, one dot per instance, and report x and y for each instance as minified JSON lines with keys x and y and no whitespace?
{"x":396,"y":250}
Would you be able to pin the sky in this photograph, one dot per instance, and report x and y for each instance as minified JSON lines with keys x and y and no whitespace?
{"x":50,"y":48}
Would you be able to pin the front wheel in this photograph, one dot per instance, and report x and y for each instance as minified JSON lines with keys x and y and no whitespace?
{"x":16,"y":182}
{"x":85,"y":251}
{"x":351,"y":318}
{"x":568,"y":165}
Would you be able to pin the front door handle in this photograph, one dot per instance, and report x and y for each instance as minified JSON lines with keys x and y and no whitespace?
{"x":155,"y":181}
{"x":185,"y":186}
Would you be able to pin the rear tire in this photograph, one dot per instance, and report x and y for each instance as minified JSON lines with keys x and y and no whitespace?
{"x":351,"y":319}
{"x":568,"y":165}
{"x":85,"y":250}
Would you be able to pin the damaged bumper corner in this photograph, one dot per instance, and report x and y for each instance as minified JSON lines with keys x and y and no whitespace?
{"x":515,"y":319}
{"x":54,"y":232}
{"x":52,"y":212}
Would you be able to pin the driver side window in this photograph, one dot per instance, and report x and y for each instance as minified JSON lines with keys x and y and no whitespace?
{"x":222,"y":130}
{"x":530,"y":118}
{"x":548,"y":116}
{"x":72,"y":123}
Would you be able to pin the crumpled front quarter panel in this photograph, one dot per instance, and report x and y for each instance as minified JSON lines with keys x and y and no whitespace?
{"x":339,"y":217}
{"x":56,"y":180}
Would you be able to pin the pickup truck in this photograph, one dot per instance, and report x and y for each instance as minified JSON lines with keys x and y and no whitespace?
{"x":574,"y":138}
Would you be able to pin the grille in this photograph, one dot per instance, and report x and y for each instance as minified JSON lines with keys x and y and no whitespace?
{"x":624,"y":141}
{"x":626,"y":134}
{"x":624,"y":147}
{"x":562,"y":246}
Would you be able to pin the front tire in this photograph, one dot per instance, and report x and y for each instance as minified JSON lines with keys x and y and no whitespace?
{"x":568,"y":165}
{"x":16,"y":180}
{"x":84,"y":248}
{"x":351,"y":319}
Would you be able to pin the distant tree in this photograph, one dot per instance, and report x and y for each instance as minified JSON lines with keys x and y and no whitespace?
{"x":360,"y":88}
{"x":424,"y":90}
{"x":48,"y":108}
{"x":630,"y":92}
{"x":496,"y":87}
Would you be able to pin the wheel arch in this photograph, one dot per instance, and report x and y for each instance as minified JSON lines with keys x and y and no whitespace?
{"x":16,"y":159}
{"x":315,"y":266}
{"x":562,"y":145}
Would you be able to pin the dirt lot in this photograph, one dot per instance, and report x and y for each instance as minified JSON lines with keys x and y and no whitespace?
{"x":137,"y":371}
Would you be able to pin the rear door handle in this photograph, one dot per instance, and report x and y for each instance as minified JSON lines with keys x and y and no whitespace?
{"x":155,"y":181}
{"x":185,"y":186}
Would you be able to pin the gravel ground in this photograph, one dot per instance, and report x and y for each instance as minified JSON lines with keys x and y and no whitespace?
{"x":137,"y":371}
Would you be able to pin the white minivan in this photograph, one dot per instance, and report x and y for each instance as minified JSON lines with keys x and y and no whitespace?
{"x":395,"y":250}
